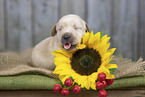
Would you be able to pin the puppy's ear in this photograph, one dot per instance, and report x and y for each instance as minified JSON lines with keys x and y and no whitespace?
{"x":53,"y":31}
{"x":87,"y":28}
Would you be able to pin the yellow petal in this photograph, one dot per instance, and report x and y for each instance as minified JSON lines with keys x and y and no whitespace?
{"x":97,"y":36}
{"x":62,"y":60}
{"x":86,"y":38}
{"x":64,"y":78}
{"x":110,"y":76}
{"x":81,"y":46}
{"x":87,"y":85}
{"x":93,"y":86}
{"x":58,"y":54}
{"x":61,"y":77}
{"x":105,"y":39}
{"x":103,"y":69}
{"x":58,"y":70}
{"x":64,"y":53}
{"x":106,"y":71}
{"x":108,"y":54}
{"x":82,"y":79}
{"x":93,"y":77}
{"x":112,"y":50}
{"x":91,"y":40}
{"x":109,"y":59}
{"x":96,"y":40}
{"x":65,"y":73}
{"x":109,"y":66}
{"x":103,"y":48}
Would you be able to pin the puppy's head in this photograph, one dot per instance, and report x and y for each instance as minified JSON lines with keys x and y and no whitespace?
{"x":69,"y":31}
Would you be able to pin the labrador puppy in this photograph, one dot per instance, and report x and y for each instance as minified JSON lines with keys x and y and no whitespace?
{"x":67,"y":33}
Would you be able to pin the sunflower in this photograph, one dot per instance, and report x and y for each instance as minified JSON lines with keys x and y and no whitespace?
{"x":85,"y":63}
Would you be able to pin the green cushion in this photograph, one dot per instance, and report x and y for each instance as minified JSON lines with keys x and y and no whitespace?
{"x":40,"y":82}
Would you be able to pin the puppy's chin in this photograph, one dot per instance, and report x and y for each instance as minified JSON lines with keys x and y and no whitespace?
{"x":69,"y":47}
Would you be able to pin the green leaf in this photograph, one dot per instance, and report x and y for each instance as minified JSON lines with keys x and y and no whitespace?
{"x":61,"y":84}
{"x":71,"y":78}
{"x":113,"y":70}
{"x":101,"y":34}
{"x":75,"y":83}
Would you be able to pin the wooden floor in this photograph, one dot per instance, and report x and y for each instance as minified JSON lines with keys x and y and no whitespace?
{"x":111,"y":93}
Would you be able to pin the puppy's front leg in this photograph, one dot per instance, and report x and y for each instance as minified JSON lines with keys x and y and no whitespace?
{"x":41,"y":55}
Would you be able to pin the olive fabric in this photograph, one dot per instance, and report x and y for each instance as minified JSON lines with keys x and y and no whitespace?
{"x":40,"y":82}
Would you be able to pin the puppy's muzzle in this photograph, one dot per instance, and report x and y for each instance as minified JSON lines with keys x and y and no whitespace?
{"x":67,"y":42}
{"x":66,"y":37}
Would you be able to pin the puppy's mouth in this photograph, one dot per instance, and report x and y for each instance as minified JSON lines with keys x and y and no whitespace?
{"x":69,"y":46}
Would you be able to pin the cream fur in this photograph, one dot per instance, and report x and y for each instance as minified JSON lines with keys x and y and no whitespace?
{"x":41,"y":55}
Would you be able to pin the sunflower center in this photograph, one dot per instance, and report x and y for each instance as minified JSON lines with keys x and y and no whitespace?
{"x":85,"y":61}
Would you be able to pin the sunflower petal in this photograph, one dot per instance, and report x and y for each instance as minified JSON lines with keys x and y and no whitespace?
{"x":105,"y":39}
{"x":96,"y":39}
{"x":112,"y":50}
{"x":62,"y":60}
{"x":66,"y":53}
{"x":103,"y":69}
{"x":59,"y":70}
{"x":81,"y":46}
{"x":56,"y":54}
{"x":109,"y":66}
{"x":97,"y":36}
{"x":87,"y":84}
{"x":82,"y":79}
{"x":103,"y":49}
{"x":110,"y":76}
{"x":93,"y":77}
{"x":109,"y":59}
{"x":107,"y":72}
{"x":65,"y":73}
{"x":91,"y":40}
{"x":93,"y":86}
{"x":86,"y":38}
{"x":61,"y":77}
{"x":64,"y":78}
{"x":108,"y":54}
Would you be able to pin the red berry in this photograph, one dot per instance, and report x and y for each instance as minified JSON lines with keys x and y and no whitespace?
{"x":102,"y":76}
{"x":101,"y":85}
{"x":65,"y":92}
{"x":104,"y":84}
{"x":109,"y":81}
{"x":76,"y":89}
{"x":68,"y":82}
{"x":102,"y":93}
{"x":57,"y":88}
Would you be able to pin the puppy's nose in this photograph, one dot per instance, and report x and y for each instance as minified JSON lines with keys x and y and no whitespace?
{"x":66,"y":37}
